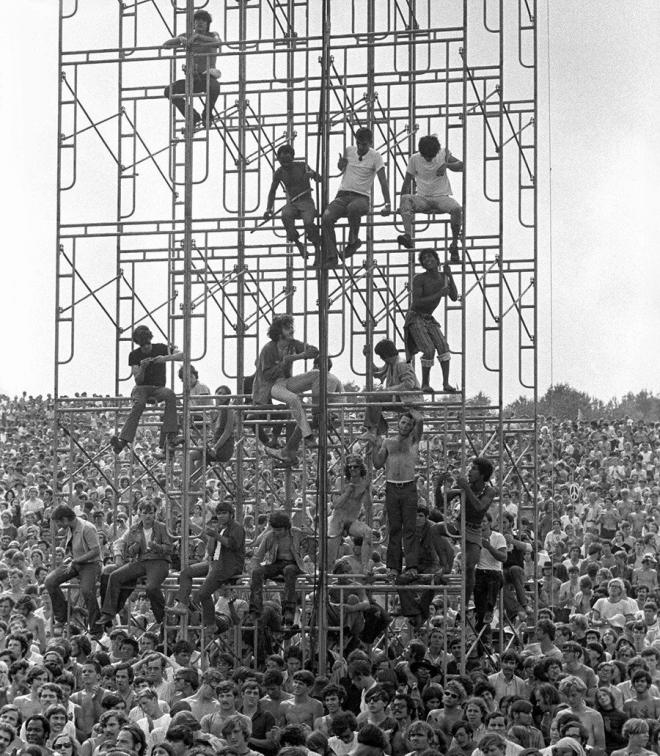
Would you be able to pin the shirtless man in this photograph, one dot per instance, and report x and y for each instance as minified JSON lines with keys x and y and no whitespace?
{"x":574,"y":690}
{"x":301,"y":709}
{"x":294,"y":175}
{"x":421,"y":330}
{"x":346,"y":508}
{"x":642,"y":705}
{"x":399,"y":457}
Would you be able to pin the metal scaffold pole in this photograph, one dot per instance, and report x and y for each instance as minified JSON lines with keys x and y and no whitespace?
{"x":322,"y":567}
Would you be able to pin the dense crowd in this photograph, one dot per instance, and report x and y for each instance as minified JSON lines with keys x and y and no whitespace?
{"x":569,"y":665}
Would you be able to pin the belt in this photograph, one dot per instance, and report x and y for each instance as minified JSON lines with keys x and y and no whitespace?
{"x":400,"y":483}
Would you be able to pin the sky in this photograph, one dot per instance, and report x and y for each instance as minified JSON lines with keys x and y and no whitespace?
{"x":599,"y":222}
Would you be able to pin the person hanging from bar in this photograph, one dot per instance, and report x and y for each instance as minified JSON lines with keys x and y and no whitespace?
{"x":205,"y":46}
{"x":294,"y":175}
{"x":422,"y":332}
{"x":148,"y":365}
{"x":273,"y":377}
{"x":360,"y":164}
{"x":428,"y":169}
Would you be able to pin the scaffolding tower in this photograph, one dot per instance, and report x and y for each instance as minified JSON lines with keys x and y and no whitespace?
{"x":160,"y":224}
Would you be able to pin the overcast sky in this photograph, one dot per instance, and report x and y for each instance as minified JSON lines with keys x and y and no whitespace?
{"x":602,"y":286}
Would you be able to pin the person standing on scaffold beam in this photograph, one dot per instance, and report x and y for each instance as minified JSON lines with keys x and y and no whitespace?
{"x":428,"y":168}
{"x":294,"y":175}
{"x":205,"y":46}
{"x":421,"y":331}
{"x":359,"y":165}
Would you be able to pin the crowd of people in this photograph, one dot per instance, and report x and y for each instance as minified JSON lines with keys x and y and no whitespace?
{"x":565,"y":663}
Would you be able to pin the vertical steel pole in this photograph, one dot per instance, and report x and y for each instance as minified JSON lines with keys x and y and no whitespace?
{"x":240,"y":247}
{"x":322,"y":565}
{"x":186,"y":306}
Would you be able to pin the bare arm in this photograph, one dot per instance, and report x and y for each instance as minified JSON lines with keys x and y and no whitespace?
{"x":379,"y":454}
{"x":270,"y":202}
{"x":454,"y":164}
{"x":384,"y":186}
{"x":407,"y":184}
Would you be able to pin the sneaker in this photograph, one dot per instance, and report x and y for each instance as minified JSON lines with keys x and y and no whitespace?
{"x":405,"y":241}
{"x":118,"y":444}
{"x":426,"y":389}
{"x":450,"y":389}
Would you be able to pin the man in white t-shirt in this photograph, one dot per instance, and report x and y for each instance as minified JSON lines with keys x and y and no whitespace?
{"x":488,"y":575}
{"x":428,"y":168}
{"x":359,"y":165}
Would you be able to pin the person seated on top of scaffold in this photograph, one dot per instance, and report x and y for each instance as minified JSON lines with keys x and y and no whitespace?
{"x":421,"y":331}
{"x":224,"y":563}
{"x":399,"y":379}
{"x":428,"y":168}
{"x":345,"y":510}
{"x":147,"y":363}
{"x":334,"y":388}
{"x":205,"y":46}
{"x":273,"y":375}
{"x":279,"y":554}
{"x":294,"y":175}
{"x":359,"y":166}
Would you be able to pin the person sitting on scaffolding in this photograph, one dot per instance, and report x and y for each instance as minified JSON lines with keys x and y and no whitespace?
{"x":422,"y":332}
{"x":220,"y":446}
{"x":273,"y":377}
{"x":428,"y":168}
{"x":224,"y":563}
{"x":205,"y":46}
{"x":399,"y":378}
{"x":279,"y":554}
{"x":294,"y":175}
{"x":345,"y":510}
{"x":147,"y":363}
{"x":359,"y":166}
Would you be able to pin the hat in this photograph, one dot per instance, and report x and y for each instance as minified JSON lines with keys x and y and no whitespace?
{"x":185,"y":719}
{"x":648,"y":558}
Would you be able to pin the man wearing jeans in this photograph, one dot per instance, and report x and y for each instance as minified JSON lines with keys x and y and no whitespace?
{"x":226,"y":553}
{"x":83,"y":560}
{"x":144,"y":550}
{"x":359,"y":166}
{"x":147,"y":363}
{"x":399,"y":457}
{"x":478,"y":498}
{"x":278,"y":554}
{"x":274,"y":379}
